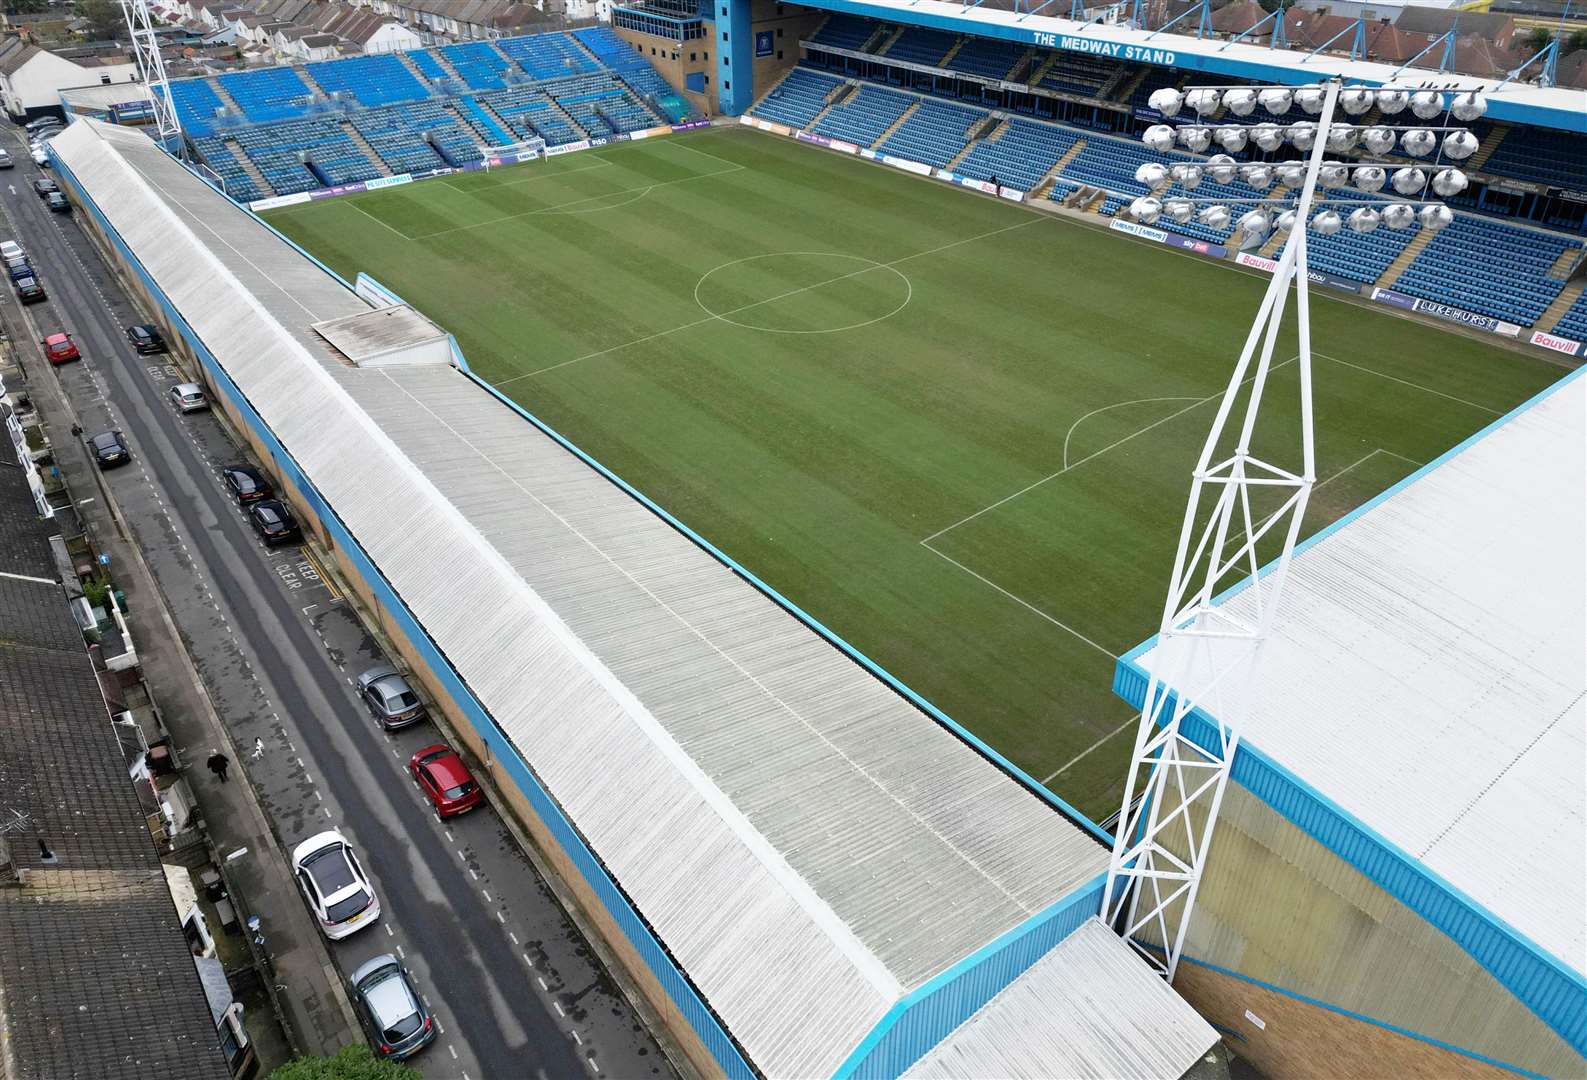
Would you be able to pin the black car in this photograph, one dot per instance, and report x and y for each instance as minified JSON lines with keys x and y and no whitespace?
{"x":58,"y":203}
{"x":108,"y":449}
{"x":146,"y":339}
{"x":274,"y":522}
{"x":29,"y":291}
{"x":44,"y":187}
{"x":246,"y":484}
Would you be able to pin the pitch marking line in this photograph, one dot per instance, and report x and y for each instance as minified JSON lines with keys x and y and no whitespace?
{"x":1134,"y":718}
{"x":1105,"y":651}
{"x":909,"y":291}
{"x":1198,"y":402}
{"x":1407,"y":382}
{"x":1116,"y":405}
{"x":720,"y":316}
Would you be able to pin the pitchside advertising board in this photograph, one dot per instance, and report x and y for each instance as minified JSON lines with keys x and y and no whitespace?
{"x":1173,"y":240}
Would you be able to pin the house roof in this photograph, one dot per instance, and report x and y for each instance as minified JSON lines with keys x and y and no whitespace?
{"x":1435,"y":21}
{"x":98,"y":978}
{"x":14,"y":52}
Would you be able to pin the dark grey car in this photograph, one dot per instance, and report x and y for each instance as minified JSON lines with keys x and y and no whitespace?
{"x":389,"y":697}
{"x":108,"y":449}
{"x":401,"y":1024}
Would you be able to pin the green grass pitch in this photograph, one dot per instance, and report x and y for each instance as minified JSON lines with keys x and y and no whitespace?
{"x":956,"y":430}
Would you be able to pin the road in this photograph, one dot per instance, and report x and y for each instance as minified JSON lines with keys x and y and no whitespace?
{"x":515,"y":989}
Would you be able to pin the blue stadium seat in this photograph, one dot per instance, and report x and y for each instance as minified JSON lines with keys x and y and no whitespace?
{"x":863,"y":117}
{"x":934,"y":134}
{"x":372,"y":80}
{"x":989,"y":58}
{"x":196,"y":104}
{"x":1486,"y":266}
{"x":845,"y":32}
{"x":799,"y":98}
{"x":1557,"y":158}
{"x":548,"y":56}
{"x":267,"y":94}
{"x":478,"y":62}
{"x":1573,"y":324}
{"x":921,"y":46}
{"x":236,"y":182}
{"x":1020,"y":156}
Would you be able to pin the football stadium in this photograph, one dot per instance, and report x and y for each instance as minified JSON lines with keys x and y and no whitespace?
{"x":764,"y":431}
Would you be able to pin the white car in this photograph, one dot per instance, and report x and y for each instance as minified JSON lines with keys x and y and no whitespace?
{"x":189,"y":397}
{"x":40,"y":156}
{"x":10,"y":249}
{"x":335,"y":885}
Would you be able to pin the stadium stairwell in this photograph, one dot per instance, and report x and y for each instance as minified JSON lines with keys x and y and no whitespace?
{"x":1132,"y":84}
{"x":1039,"y":72}
{"x":226,"y":99}
{"x":451,"y":72}
{"x":413,"y":69}
{"x":310,"y":81}
{"x":484,"y":117}
{"x":567,"y":117}
{"x":839,"y":94}
{"x":887,"y":132}
{"x":369,"y":151}
{"x":1404,"y":259}
{"x":1044,"y":185}
{"x":992,"y":129}
{"x":1562,"y":303}
{"x":888,"y":40}
{"x":951,"y":53}
{"x":250,"y":169}
{"x":1489,"y":145}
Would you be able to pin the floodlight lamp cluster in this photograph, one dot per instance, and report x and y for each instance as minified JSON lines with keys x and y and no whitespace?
{"x":1365,"y":178}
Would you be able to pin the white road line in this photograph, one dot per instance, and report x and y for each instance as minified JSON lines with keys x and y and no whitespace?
{"x":558,"y":1006}
{"x":471,"y":871}
{"x":460,"y":854}
{"x":577,"y":1039}
{"x":501,"y":918}
{"x":513,"y":936}
{"x":453,"y":1049}
{"x":327,"y":811}
{"x":486,"y":895}
{"x":541,"y":980}
{"x":401,"y":953}
{"x":389,"y":931}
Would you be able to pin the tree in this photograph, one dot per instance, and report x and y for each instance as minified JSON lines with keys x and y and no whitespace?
{"x":1539,"y":37}
{"x":1575,"y":42}
{"x":1276,"y":5}
{"x":26,"y":7}
{"x":351,"y":1063}
{"x":104,"y":17}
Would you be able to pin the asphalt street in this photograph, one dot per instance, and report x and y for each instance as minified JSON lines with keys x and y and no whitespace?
{"x":515,"y":988}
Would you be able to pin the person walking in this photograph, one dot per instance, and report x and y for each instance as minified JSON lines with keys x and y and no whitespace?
{"x":218,"y":764}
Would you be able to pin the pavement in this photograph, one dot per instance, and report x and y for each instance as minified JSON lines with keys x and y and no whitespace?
{"x":516,"y":989}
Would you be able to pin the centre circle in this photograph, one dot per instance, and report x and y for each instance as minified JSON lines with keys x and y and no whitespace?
{"x":803,"y":292}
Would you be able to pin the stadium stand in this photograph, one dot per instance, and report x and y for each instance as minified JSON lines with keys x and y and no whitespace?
{"x":934,"y":134}
{"x":799,"y":98}
{"x":1020,"y":156}
{"x":1075,"y":74}
{"x":845,"y":32}
{"x":236,"y":181}
{"x":372,"y":80}
{"x":920,"y":46}
{"x":549,"y":56}
{"x":863,"y":117}
{"x":1488,"y":267}
{"x":480,"y":65}
{"x":305,"y":154}
{"x":992,"y":59}
{"x":531,"y":114}
{"x":1573,"y":324}
{"x":397,"y":144}
{"x":428,"y":65}
{"x":267,"y":94}
{"x":1542,"y":156}
{"x":197,"y":103}
{"x":601,"y":104}
{"x":1359,"y":257}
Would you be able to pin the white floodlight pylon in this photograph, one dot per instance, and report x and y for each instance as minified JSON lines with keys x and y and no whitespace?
{"x":151,"y":69}
{"x":1205,"y":656}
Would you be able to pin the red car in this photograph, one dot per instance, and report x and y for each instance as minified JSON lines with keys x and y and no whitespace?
{"x":61,"y":348}
{"x":446,"y":780}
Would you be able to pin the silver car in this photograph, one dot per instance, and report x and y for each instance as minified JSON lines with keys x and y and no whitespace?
{"x":389,"y":698}
{"x":402,"y":1025}
{"x":189,"y":397}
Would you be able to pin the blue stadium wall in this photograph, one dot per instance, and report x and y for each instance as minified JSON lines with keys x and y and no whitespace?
{"x":914,"y":1025}
{"x":1356,"y":958}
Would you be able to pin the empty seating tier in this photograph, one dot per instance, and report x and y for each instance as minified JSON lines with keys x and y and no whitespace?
{"x":548,"y":56}
{"x":862,"y":118}
{"x":267,"y":94}
{"x":919,"y":46}
{"x":1020,"y":156}
{"x":196,"y":104}
{"x":478,"y":62}
{"x":988,"y":58}
{"x":934,"y":134}
{"x":399,"y":146}
{"x":845,"y":32}
{"x":429,"y":66}
{"x":1573,"y":324}
{"x":302,"y":155}
{"x":234,"y":180}
{"x":799,"y":97}
{"x":1538,"y":154}
{"x":1488,"y":267}
{"x":371,"y":80}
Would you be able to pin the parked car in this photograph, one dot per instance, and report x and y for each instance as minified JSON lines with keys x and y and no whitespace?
{"x":10,"y":249}
{"x":58,"y":203}
{"x":29,"y":291}
{"x":34,"y":126}
{"x":5,"y":160}
{"x":189,"y":397}
{"x":334,"y":884}
{"x":390,"y":699}
{"x":44,"y":187}
{"x":445,"y":780}
{"x":41,"y":156}
{"x":59,"y":348}
{"x":19,"y":269}
{"x":108,"y":449}
{"x":146,"y":339}
{"x":246,"y":483}
{"x":273,"y":522}
{"x":385,"y":994}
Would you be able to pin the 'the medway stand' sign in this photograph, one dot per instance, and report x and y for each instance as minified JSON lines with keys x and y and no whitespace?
{"x":1113,"y":50}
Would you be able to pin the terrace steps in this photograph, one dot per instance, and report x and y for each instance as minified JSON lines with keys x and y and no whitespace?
{"x":951,"y":53}
{"x":1275,"y":241}
{"x":446,"y":66}
{"x":1109,"y":91}
{"x":893,"y":34}
{"x":1566,"y":264}
{"x":1044,"y":185}
{"x":578,"y":44}
{"x":249,"y":167}
{"x":501,"y":121}
{"x":413,"y":69}
{"x":1131,"y":84}
{"x":1039,"y":71}
{"x":1422,"y":238}
{"x":887,"y":132}
{"x":754,"y":110}
{"x":566,"y":116}
{"x":310,"y":81}
{"x":1026,"y":58}
{"x":232,"y":108}
{"x":882,"y":31}
{"x":1561,"y":304}
{"x":839,"y":94}
{"x":986,"y":126}
{"x":470,"y":123}
{"x":1489,"y":145}
{"x":365,"y":148}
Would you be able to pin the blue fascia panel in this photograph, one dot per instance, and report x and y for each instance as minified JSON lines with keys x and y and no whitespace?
{"x":931,"y":1012}
{"x":622,"y":911}
{"x":1165,"y":50}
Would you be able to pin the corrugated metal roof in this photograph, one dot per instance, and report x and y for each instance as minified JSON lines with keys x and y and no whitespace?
{"x":807,"y":843}
{"x":1427,"y":671}
{"x":1089,"y":1008}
